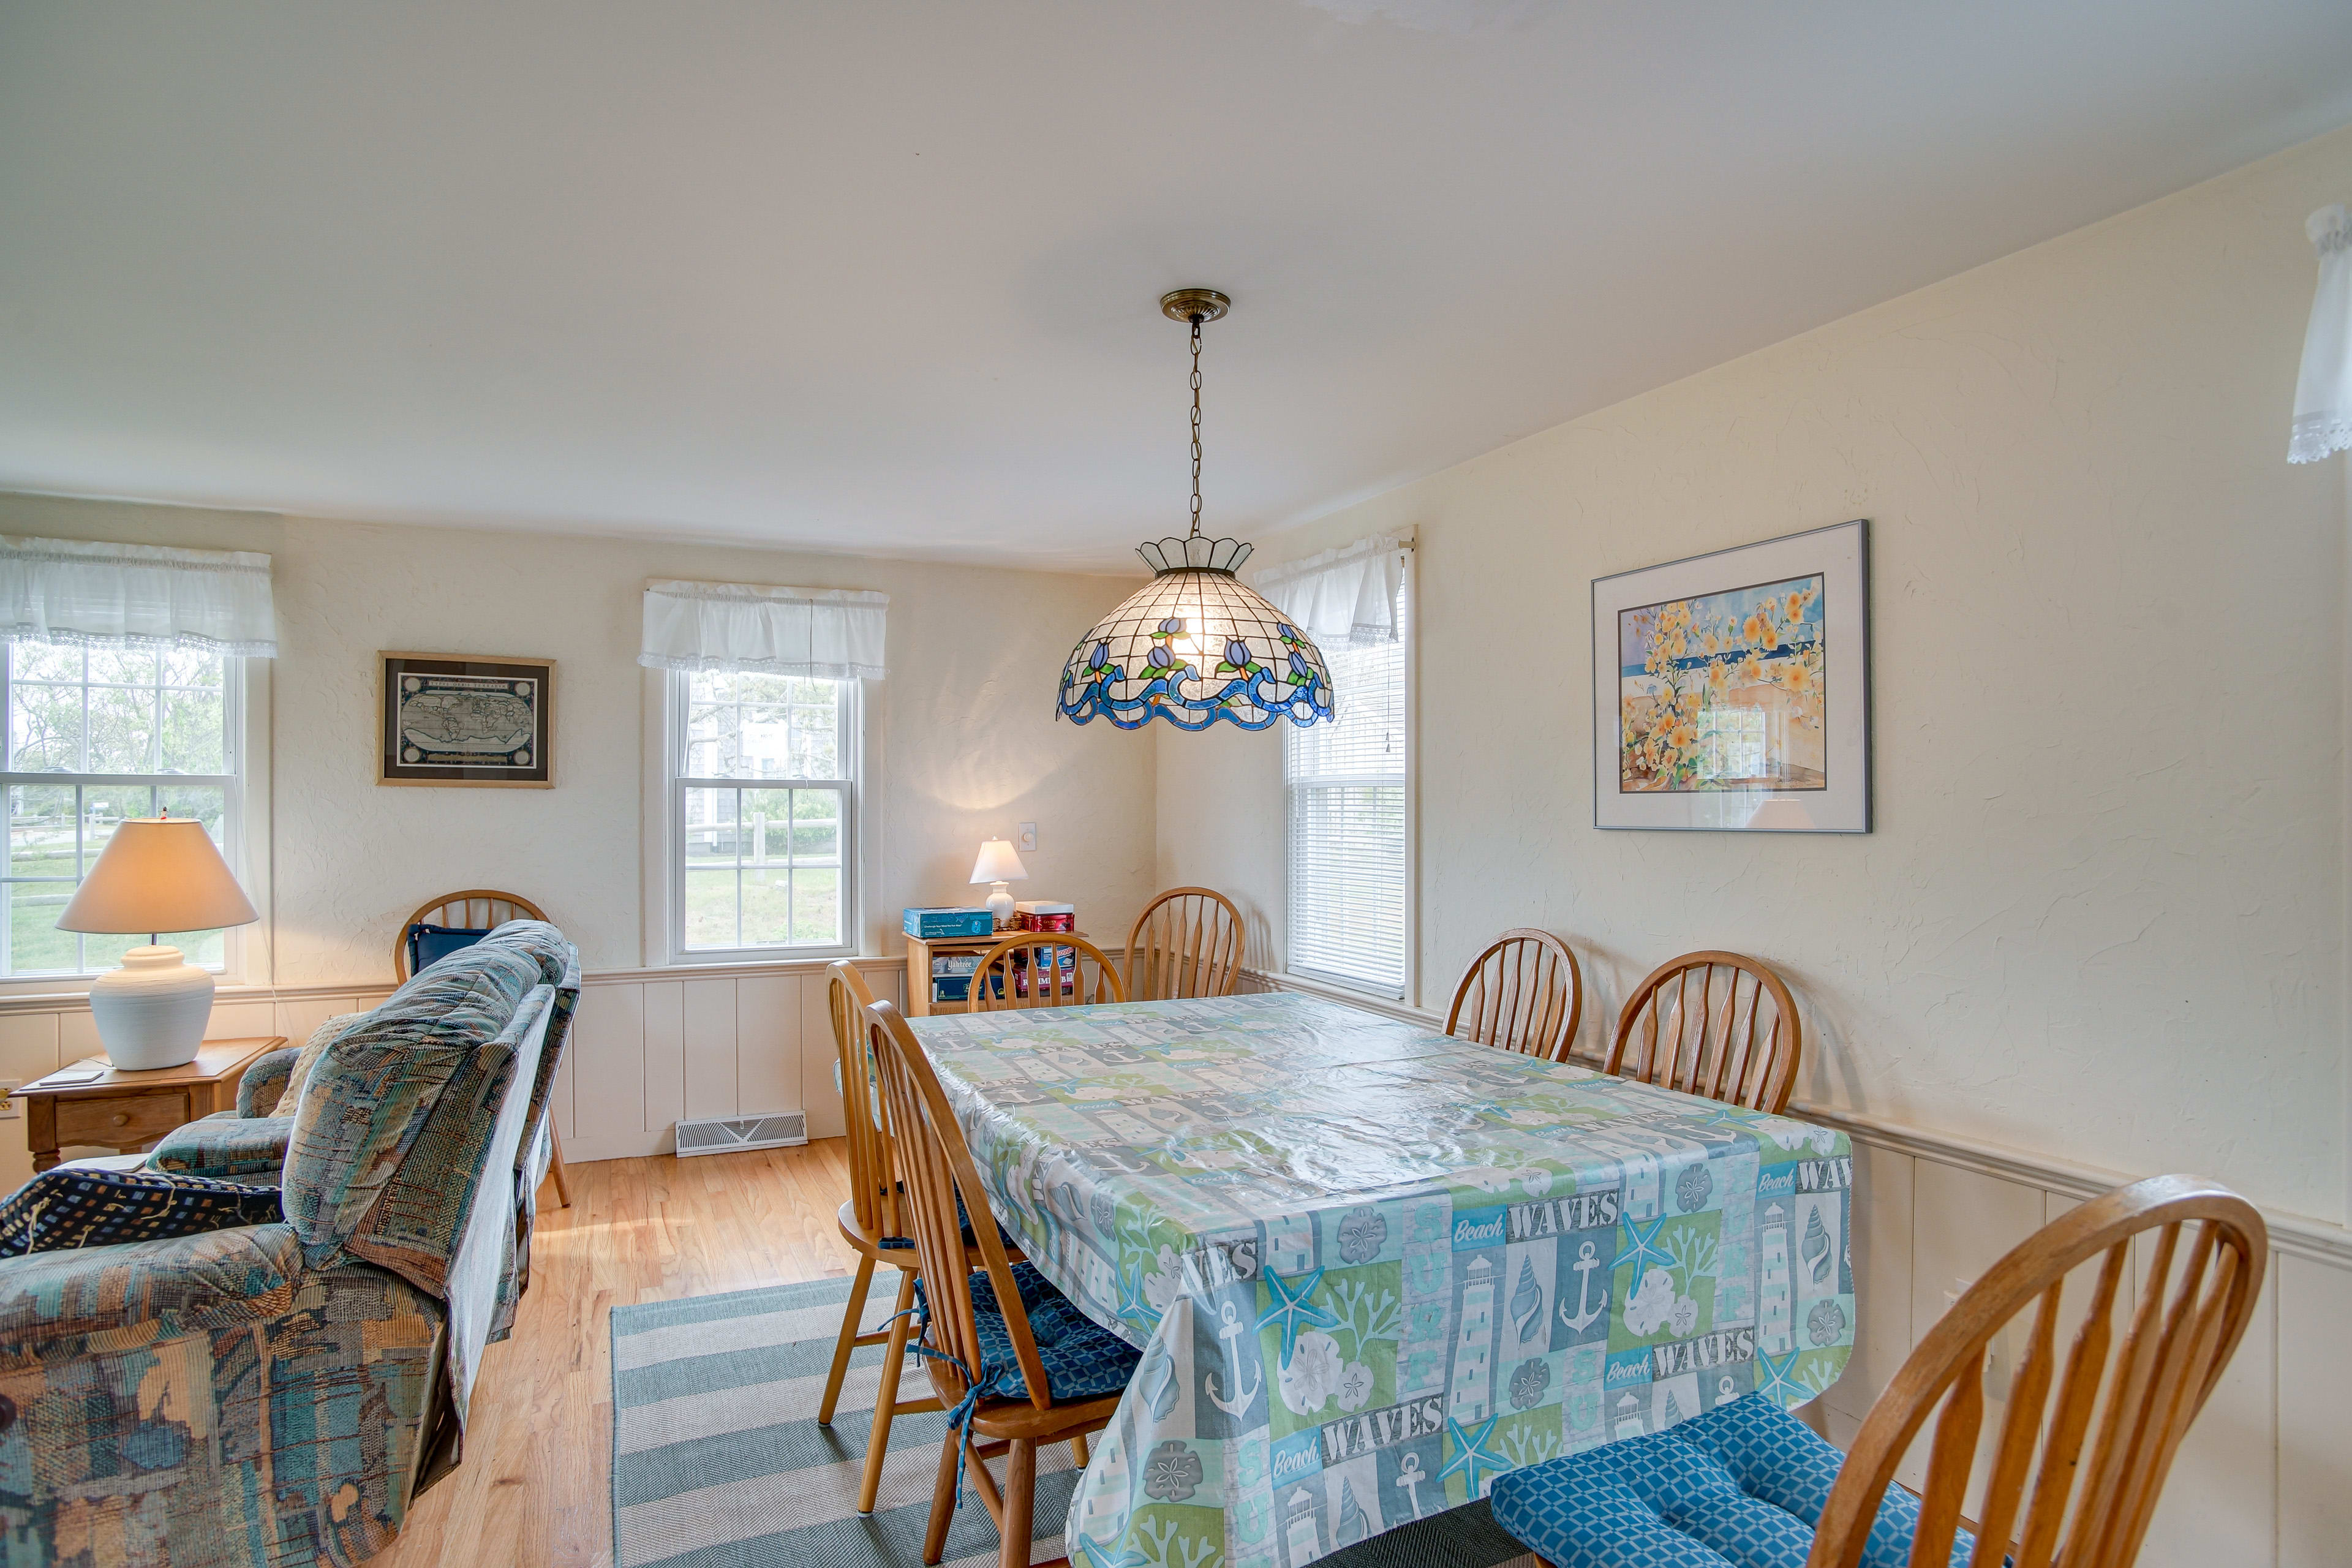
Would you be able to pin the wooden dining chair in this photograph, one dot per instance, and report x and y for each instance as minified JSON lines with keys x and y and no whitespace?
{"x":1007,"y":975}
{"x":475,"y":909}
{"x":1186,"y":943}
{"x":2057,"y":1489}
{"x":1715,"y":1024}
{"x":481,"y":909}
{"x":1524,"y":994}
{"x":2085,"y":1438}
{"x":1055,"y":1375}
{"x":869,"y":1223}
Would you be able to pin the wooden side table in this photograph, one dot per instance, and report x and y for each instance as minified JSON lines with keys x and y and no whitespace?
{"x":128,"y":1111}
{"x":921,"y":950}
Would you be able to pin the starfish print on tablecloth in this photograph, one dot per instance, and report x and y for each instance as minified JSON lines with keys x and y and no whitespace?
{"x":1470,"y":1454}
{"x":1294,"y":1310}
{"x":1646,"y":1249}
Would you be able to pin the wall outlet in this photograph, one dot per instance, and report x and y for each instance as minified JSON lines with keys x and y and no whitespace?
{"x":9,"y":1109}
{"x":1028,"y":840}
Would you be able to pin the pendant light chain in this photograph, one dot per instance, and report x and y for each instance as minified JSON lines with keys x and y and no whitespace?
{"x":1196,"y":427}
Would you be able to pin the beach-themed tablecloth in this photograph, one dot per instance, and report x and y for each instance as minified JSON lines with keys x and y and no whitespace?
{"x":1373,"y":1268}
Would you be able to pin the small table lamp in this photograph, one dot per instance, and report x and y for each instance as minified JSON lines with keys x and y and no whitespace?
{"x":156,"y":875}
{"x":999,"y":865}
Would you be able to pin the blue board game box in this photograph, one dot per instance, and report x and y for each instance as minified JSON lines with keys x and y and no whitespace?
{"x":936,"y":922}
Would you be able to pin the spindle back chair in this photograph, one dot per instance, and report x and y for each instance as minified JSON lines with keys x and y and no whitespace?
{"x":935,"y":1168}
{"x":870,"y":1223}
{"x":2074,"y":1479}
{"x":475,"y":909}
{"x":1078,"y":973}
{"x":1715,"y":1024}
{"x":1186,"y":943}
{"x":482,"y":908}
{"x":1524,"y":994}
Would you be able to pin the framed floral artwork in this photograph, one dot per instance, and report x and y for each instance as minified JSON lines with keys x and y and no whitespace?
{"x":1731,"y":691}
{"x":456,"y":719}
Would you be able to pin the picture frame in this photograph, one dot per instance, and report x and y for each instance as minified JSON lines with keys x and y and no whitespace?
{"x":470,"y":720}
{"x":1731,"y":691}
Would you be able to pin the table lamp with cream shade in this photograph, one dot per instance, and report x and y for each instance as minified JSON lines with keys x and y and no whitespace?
{"x":999,"y":865}
{"x":156,"y":874}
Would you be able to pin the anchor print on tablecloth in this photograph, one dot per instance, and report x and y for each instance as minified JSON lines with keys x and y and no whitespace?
{"x":1410,"y":1475}
{"x":1587,"y":1310}
{"x":1231,"y":1332}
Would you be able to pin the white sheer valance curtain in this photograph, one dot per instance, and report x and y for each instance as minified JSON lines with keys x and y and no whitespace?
{"x":2323,"y":393}
{"x":830,"y":634}
{"x":1344,"y":597}
{"x":84,"y":594}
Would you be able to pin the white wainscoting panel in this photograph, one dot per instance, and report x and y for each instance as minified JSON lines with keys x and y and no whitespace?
{"x":2315,"y":1412}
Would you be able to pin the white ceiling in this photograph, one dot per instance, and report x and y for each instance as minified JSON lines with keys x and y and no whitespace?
{"x":882,"y":276}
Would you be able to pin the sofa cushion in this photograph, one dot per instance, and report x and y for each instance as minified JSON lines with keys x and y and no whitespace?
{"x":223,"y":1277}
{"x":368,"y":1097}
{"x":1741,"y":1486}
{"x":290,"y":1098}
{"x":226,"y":1147}
{"x":63,"y":1209}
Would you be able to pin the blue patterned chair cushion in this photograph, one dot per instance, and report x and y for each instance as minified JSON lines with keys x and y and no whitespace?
{"x":60,"y":1210}
{"x":1083,"y":1360}
{"x":1741,"y":1486}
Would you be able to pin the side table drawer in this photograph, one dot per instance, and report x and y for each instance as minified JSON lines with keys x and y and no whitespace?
{"x":122,"y":1122}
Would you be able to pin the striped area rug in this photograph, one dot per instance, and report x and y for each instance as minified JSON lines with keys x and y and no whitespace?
{"x":718,"y":1460}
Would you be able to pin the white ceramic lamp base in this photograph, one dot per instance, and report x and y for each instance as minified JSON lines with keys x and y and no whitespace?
{"x":1000,"y":904}
{"x":152,"y":1012}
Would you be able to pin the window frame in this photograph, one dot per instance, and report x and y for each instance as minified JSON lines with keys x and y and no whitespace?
{"x":849,"y":748}
{"x":245,"y":706}
{"x":1408,"y":992}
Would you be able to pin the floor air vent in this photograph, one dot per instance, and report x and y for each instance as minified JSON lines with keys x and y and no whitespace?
{"x":722,"y":1134}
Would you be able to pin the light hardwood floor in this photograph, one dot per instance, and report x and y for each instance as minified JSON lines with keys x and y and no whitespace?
{"x":534,"y":1488}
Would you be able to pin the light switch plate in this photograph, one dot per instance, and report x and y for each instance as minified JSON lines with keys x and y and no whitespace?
{"x":1028,"y":840}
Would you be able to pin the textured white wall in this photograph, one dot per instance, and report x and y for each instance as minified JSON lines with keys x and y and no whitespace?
{"x":2101,"y":915}
{"x":969,"y":746}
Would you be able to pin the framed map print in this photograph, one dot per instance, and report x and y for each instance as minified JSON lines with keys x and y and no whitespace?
{"x":1731,"y":691}
{"x":456,"y":718}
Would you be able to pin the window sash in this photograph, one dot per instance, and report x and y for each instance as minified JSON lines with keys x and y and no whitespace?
{"x":1348,"y":809}
{"x":231,"y":783}
{"x":845,"y":787}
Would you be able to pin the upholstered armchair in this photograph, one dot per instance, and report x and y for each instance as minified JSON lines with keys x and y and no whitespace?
{"x":276,"y":1393}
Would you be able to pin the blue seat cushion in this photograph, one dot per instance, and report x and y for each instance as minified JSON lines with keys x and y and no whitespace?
{"x":1083,"y":1360}
{"x":963,"y":1218}
{"x":429,"y":944}
{"x":1741,"y":1486}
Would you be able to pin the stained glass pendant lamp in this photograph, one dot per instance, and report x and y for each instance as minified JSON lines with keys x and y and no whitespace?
{"x":1193,"y":645}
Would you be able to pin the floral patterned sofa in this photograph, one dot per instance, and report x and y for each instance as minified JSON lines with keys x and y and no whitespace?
{"x":276,"y":1393}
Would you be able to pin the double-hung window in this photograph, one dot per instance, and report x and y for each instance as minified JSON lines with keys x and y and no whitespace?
{"x":96,"y":735}
{"x":763,"y":813}
{"x":1349,"y":833}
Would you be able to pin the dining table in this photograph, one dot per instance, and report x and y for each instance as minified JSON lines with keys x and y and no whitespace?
{"x":1371,"y":1267}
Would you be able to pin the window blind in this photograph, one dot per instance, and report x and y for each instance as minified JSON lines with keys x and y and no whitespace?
{"x":1346,"y":784}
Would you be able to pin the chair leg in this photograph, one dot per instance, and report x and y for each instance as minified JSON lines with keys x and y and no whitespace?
{"x":1078,"y":1449}
{"x":943,"y":1497}
{"x":1020,"y":1499}
{"x":851,"y":1311}
{"x":555,"y":1164}
{"x":886,"y":1398}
